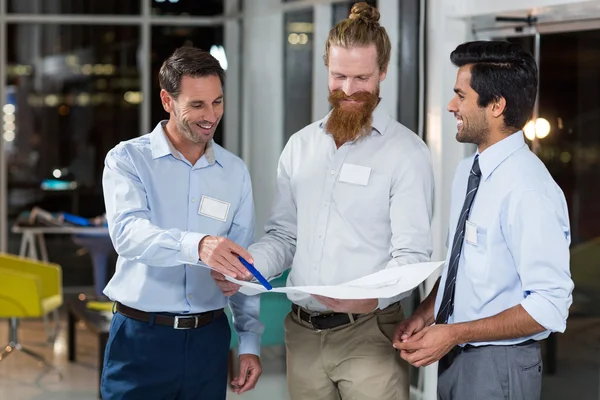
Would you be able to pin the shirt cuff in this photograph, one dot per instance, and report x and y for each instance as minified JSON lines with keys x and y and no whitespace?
{"x":189,"y":247}
{"x":249,"y":343}
{"x":544,"y":313}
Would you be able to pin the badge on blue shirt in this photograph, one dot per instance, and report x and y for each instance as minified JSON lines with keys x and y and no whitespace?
{"x":471,"y":233}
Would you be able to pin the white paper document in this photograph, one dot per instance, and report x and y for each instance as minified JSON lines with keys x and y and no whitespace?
{"x":383,"y":284}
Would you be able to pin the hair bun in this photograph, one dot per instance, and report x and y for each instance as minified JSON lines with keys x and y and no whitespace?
{"x":365,"y":12}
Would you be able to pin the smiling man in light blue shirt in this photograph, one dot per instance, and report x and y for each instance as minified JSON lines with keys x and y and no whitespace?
{"x":506,"y":284}
{"x":174,"y":199}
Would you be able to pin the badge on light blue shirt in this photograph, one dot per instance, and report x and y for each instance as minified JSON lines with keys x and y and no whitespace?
{"x":213,"y":208}
{"x":471,"y":233}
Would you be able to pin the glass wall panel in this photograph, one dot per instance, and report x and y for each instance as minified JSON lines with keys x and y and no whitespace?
{"x":569,"y":100}
{"x":570,"y":149}
{"x":569,"y":146}
{"x":298,"y":70}
{"x":73,"y":94}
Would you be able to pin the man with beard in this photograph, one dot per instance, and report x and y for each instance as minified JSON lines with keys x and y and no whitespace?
{"x":354,"y":196}
{"x":506,"y":284}
{"x":175,"y":198}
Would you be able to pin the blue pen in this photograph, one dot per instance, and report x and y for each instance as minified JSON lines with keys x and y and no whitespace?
{"x":256,"y":274}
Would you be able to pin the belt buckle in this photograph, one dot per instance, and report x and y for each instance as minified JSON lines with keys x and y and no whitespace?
{"x":178,"y":318}
{"x":311,"y":323}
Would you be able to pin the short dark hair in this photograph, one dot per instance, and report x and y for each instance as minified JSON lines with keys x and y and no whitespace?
{"x":501,"y":69}
{"x":187,"y":61}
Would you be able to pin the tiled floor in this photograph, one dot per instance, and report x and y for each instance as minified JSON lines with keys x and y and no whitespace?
{"x":21,"y":378}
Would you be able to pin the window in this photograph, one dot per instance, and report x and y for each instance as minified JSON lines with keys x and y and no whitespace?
{"x":73,"y":94}
{"x":298,"y":70}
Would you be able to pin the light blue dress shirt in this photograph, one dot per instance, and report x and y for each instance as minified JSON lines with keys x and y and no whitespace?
{"x":518,"y":249}
{"x":153,"y":196}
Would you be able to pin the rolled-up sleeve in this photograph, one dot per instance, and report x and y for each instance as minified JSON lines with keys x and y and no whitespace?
{"x":538,"y":237}
{"x":127,"y":212}
{"x":245,"y":309}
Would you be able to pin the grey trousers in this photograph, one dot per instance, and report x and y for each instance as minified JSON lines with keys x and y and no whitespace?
{"x":491,"y":373}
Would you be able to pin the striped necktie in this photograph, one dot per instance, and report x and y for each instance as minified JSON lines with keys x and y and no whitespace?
{"x":447,"y":305}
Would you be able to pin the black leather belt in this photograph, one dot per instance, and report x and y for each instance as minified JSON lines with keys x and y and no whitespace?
{"x":175,"y":321}
{"x":471,"y":347}
{"x":322,"y":321}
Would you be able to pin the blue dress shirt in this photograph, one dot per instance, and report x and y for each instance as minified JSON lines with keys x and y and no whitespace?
{"x":517,"y":249}
{"x":153,"y":196}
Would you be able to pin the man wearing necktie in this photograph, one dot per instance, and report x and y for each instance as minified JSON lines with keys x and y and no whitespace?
{"x":506,"y":284}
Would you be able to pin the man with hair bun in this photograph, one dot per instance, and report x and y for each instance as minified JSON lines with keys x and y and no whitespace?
{"x":354,"y":196}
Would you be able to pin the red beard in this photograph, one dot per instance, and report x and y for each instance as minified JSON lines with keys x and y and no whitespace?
{"x":349,"y":122}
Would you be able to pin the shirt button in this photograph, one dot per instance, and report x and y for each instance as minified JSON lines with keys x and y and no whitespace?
{"x":189,"y":296}
{"x":333,"y":172}
{"x":193,"y":199}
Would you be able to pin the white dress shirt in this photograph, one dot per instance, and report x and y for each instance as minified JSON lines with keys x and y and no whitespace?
{"x":517,"y":248}
{"x":154,"y":207}
{"x":341,"y":214}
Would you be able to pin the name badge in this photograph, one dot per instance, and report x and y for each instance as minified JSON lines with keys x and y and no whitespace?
{"x":355,"y":174}
{"x":471,"y":233}
{"x":214,"y":208}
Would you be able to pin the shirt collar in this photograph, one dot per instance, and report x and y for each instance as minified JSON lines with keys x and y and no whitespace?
{"x":494,"y":155}
{"x":162,"y":146}
{"x":380,"y":122}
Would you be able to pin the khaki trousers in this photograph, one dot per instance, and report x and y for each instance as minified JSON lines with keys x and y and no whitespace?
{"x":351,"y":362}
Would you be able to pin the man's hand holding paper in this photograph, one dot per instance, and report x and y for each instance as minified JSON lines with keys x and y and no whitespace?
{"x":382,"y":284}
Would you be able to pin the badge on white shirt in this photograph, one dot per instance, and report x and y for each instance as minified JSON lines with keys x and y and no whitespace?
{"x":355,"y":174}
{"x":214,"y":208}
{"x":471,"y":233}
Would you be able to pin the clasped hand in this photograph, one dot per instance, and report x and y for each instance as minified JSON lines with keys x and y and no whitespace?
{"x":422,"y":345}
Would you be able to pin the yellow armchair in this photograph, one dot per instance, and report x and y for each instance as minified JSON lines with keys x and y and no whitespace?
{"x":28,"y":289}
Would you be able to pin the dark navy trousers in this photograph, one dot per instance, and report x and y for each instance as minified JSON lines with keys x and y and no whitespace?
{"x":145,"y":361}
